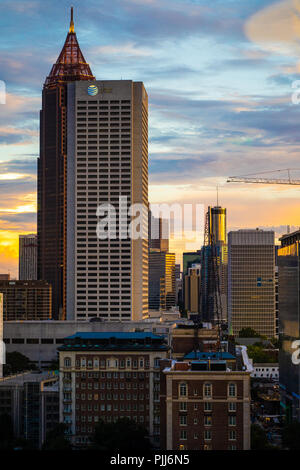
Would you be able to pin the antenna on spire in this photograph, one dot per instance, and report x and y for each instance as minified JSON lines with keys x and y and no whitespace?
{"x":217,"y":196}
{"x":71,"y":30}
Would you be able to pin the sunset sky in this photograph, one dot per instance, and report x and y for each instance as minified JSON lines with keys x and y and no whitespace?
{"x":219,"y":78}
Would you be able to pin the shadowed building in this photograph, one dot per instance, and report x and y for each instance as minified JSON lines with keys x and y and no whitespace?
{"x":28,"y":257}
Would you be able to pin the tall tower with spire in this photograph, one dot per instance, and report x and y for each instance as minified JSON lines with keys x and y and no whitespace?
{"x":52,"y":168}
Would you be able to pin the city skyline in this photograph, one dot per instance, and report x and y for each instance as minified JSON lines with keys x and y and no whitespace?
{"x":219,"y":90}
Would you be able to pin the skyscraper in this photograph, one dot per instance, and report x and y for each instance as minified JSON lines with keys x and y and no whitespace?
{"x":192,"y":290}
{"x":107,"y":137}
{"x":28,"y":257}
{"x":94,"y":149}
{"x":214,"y":266}
{"x":289,"y":323}
{"x":52,"y":168}
{"x":162,"y":291}
{"x":251,"y":281}
{"x":158,"y":229}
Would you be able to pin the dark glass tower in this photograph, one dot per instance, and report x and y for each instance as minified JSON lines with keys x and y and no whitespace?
{"x":52,"y":169}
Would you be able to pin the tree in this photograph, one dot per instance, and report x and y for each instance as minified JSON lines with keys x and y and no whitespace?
{"x":6,"y":432}
{"x":17,"y":362}
{"x":56,"y":439}
{"x":259,"y":439}
{"x":124,"y":435}
{"x":291,"y":436}
{"x":248,"y":333}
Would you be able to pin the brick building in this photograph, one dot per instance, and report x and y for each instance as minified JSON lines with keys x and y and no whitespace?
{"x":186,"y":338}
{"x":204,"y":406}
{"x":107,"y":376}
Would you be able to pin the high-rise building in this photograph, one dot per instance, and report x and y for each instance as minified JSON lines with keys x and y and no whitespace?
{"x":94,"y":151}
{"x":28,"y":257}
{"x":158,"y":233}
{"x":289,"y":323}
{"x":162,"y":291}
{"x":107,"y":164}
{"x":26,"y":300}
{"x":4,"y":277}
{"x":214,"y":266}
{"x":251,"y":281}
{"x":192,"y":290}
{"x":70,"y":67}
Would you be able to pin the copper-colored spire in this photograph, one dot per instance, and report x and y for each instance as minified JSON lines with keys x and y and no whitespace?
{"x":70,"y":65}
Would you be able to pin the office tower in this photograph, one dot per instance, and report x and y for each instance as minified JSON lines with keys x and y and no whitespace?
{"x":107,"y":275}
{"x":2,"y":347}
{"x":251,"y":281}
{"x":31,"y":400}
{"x":217,"y":225}
{"x":52,"y":168}
{"x":192,"y":290}
{"x":28,"y":257}
{"x":289,"y":323}
{"x":26,"y":300}
{"x":214,"y":267}
{"x":204,"y":404}
{"x":4,"y":277}
{"x":162,"y":292}
{"x":178,"y":284}
{"x":158,"y":233}
{"x":126,"y":378}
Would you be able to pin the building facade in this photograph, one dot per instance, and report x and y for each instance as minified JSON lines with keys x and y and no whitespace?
{"x":32,"y":402}
{"x":289,"y":323}
{"x":107,"y":165}
{"x":28,"y":257}
{"x":108,"y":376}
{"x":251,"y":281}
{"x":192,"y":290}
{"x":204,"y":406}
{"x":26,"y":300}
{"x":162,"y":286}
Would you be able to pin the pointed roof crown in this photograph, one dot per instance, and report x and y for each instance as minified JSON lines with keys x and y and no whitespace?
{"x":70,"y":65}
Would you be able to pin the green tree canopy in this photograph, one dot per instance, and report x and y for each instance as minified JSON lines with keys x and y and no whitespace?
{"x":291,"y":436}
{"x":248,"y":333}
{"x":56,"y":439}
{"x":17,"y":362}
{"x":124,"y":435}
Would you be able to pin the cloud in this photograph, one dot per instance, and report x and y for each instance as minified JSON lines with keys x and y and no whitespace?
{"x":127,"y":49}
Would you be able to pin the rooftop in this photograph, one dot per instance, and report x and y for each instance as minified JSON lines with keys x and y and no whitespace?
{"x":20,"y":379}
{"x":113,"y":341}
{"x":209,"y":355}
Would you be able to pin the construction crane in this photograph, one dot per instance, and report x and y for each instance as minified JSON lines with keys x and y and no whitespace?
{"x":254,"y":178}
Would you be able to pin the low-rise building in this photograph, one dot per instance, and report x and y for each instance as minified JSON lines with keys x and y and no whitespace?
{"x":108,"y":376}
{"x":266,"y":371}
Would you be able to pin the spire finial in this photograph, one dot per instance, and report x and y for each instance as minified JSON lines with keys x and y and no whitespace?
{"x":71,"y":30}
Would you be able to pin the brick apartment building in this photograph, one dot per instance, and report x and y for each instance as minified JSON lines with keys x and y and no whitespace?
{"x":107,"y":376}
{"x":204,"y":406}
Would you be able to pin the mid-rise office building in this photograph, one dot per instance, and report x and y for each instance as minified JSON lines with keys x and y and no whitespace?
{"x":251,"y":281}
{"x":162,"y":288}
{"x":192,"y":290}
{"x":26,"y":300}
{"x":108,"y":376}
{"x":289,"y":323}
{"x":32,"y":402}
{"x":204,"y":406}
{"x":28,"y":257}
